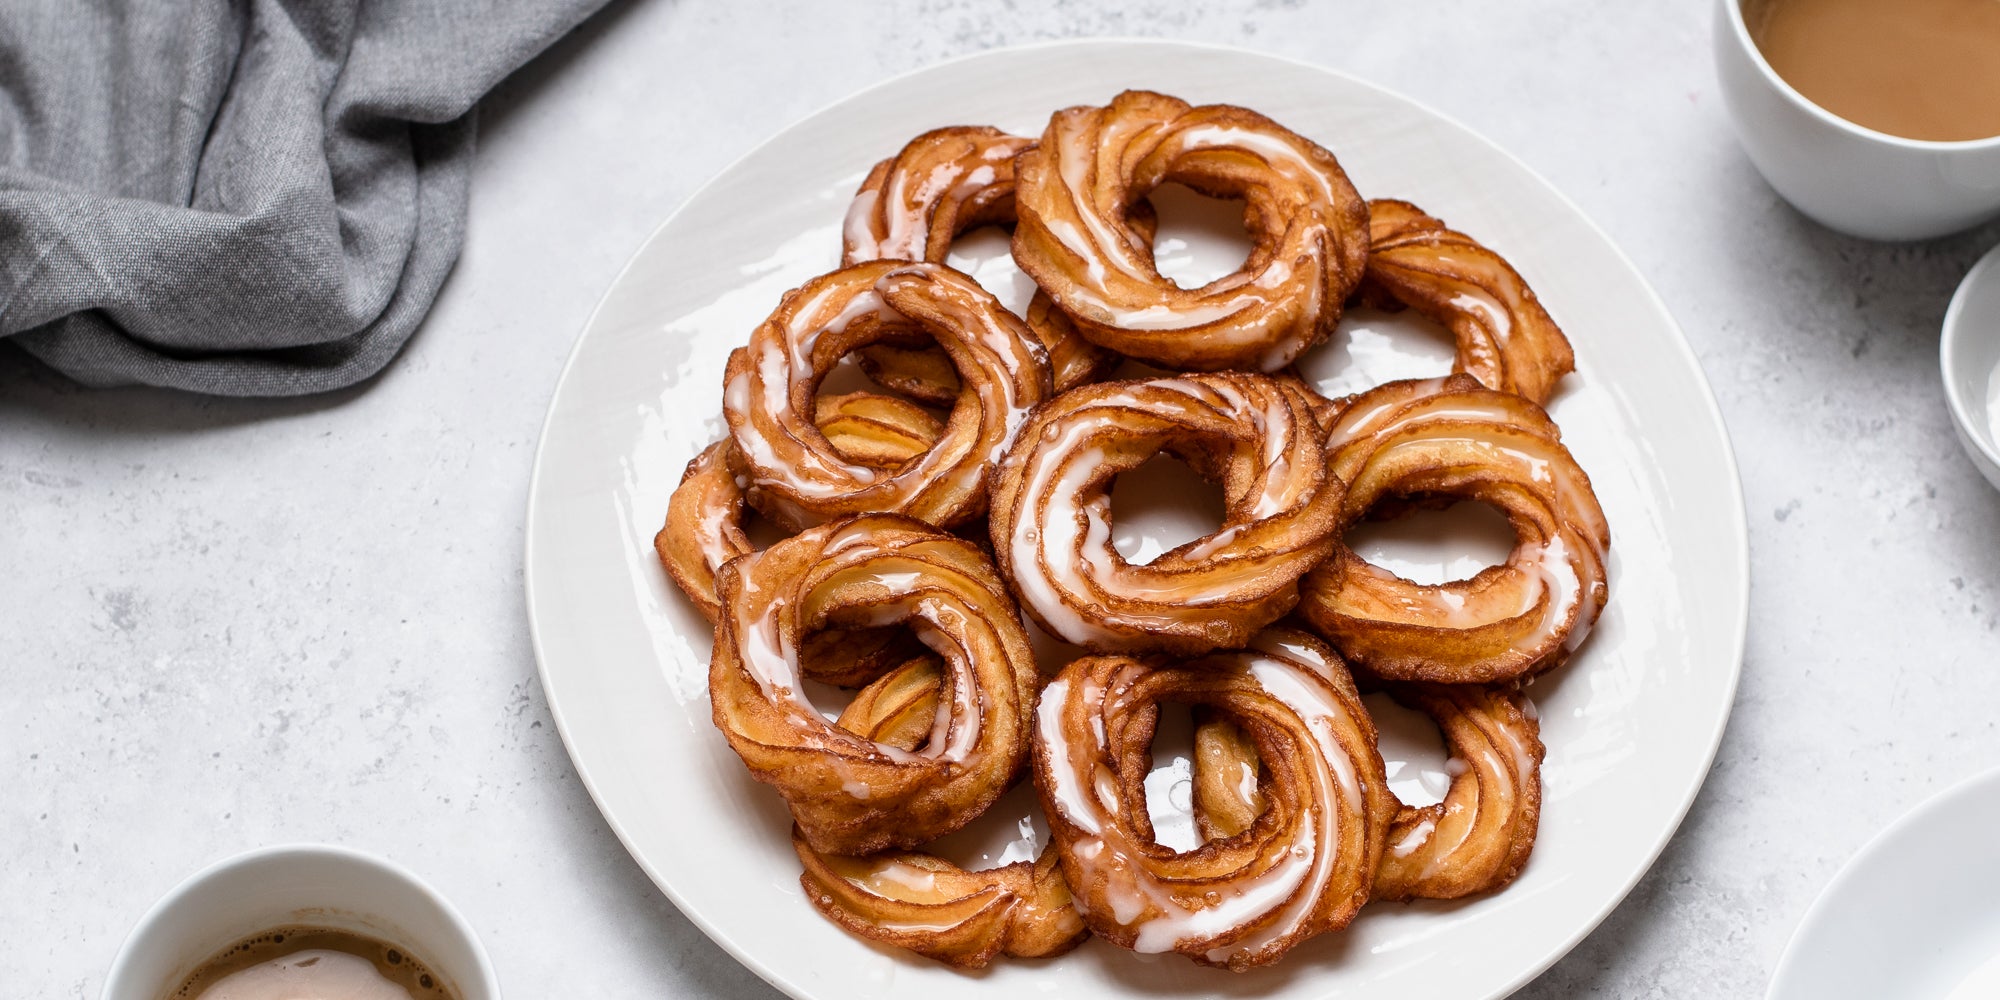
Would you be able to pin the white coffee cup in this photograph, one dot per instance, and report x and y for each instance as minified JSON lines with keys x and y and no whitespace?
{"x":318,"y":885}
{"x":1847,"y":177}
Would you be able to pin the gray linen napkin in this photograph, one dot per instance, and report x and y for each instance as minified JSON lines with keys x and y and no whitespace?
{"x":249,"y":198}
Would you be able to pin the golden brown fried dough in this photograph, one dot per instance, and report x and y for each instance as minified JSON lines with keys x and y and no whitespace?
{"x":1228,"y":787}
{"x":1308,"y":229}
{"x":935,"y":908}
{"x":795,"y":477}
{"x":943,"y":183}
{"x":1505,"y":338}
{"x":1302,"y":867}
{"x":1454,"y":439}
{"x":1051,"y":513}
{"x":878,"y":431}
{"x":704,"y":526}
{"x":1477,"y":839}
{"x":911,"y":207}
{"x":850,"y":794}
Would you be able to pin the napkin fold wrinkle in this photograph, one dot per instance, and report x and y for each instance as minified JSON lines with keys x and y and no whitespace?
{"x":240,"y":197}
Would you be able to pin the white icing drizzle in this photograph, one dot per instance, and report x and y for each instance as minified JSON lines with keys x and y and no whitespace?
{"x":1068,"y":235}
{"x":1277,"y":900}
{"x":1558,"y":580}
{"x":1418,"y":836}
{"x":1514,"y":740}
{"x":907,"y":232}
{"x":1246,"y":782}
{"x":769,"y":657}
{"x":1489,"y":770}
{"x":1494,"y":317}
{"x":1176,"y":316}
{"x":760,"y":398}
{"x":1558,"y":573}
{"x":897,"y":880}
{"x":858,"y":228}
{"x":894,"y":222}
{"x":1497,"y":778}
{"x":1075,"y":152}
{"x":1359,"y":421}
{"x":1275,"y":150}
{"x":899,"y":582}
{"x":1280,"y":644}
{"x":1320,"y":713}
{"x":1066,"y":779}
{"x":713,"y":534}
{"x":1043,"y":571}
{"x":1062,"y":553}
{"x":1222,"y":308}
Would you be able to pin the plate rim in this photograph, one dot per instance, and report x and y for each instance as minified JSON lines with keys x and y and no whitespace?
{"x":1737,"y":526}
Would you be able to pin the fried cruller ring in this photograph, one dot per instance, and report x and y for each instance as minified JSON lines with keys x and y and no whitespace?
{"x":1051,"y":512}
{"x":1505,"y":338}
{"x":704,"y":530}
{"x":1307,"y":226}
{"x":941,"y":184}
{"x":796,"y":477}
{"x":1476,"y":840}
{"x":1446,"y":440}
{"x":850,"y":794}
{"x":1303,"y":867}
{"x":928,"y":905}
{"x":911,"y":206}
{"x":704,"y":525}
{"x":918,"y":901}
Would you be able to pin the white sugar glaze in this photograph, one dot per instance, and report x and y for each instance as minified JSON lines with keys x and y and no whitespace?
{"x":1277,"y":899}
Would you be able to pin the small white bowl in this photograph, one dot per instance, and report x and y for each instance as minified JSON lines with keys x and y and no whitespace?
{"x":1969,"y":353}
{"x":1911,"y":914}
{"x":318,"y":885}
{"x":1850,"y":178}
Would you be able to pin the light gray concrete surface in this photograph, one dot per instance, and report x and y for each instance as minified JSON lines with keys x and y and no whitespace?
{"x":225,"y":624}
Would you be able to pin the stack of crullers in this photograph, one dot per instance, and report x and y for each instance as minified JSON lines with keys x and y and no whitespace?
{"x":930,"y":522}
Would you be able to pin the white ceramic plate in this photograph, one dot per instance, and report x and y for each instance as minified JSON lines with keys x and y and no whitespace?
{"x":1631,"y":723}
{"x":1911,"y":914}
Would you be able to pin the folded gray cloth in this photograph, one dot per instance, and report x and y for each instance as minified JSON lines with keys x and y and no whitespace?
{"x":249,"y":198}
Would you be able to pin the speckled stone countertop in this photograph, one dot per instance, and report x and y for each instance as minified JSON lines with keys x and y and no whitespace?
{"x":234,"y":623}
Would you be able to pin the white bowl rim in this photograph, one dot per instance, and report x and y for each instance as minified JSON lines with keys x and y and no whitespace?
{"x":1741,"y":29}
{"x":171,"y":900}
{"x":1975,"y":433}
{"x":1882,"y":841}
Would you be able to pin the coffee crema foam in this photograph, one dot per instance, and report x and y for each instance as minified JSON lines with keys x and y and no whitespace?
{"x":313,"y":963}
